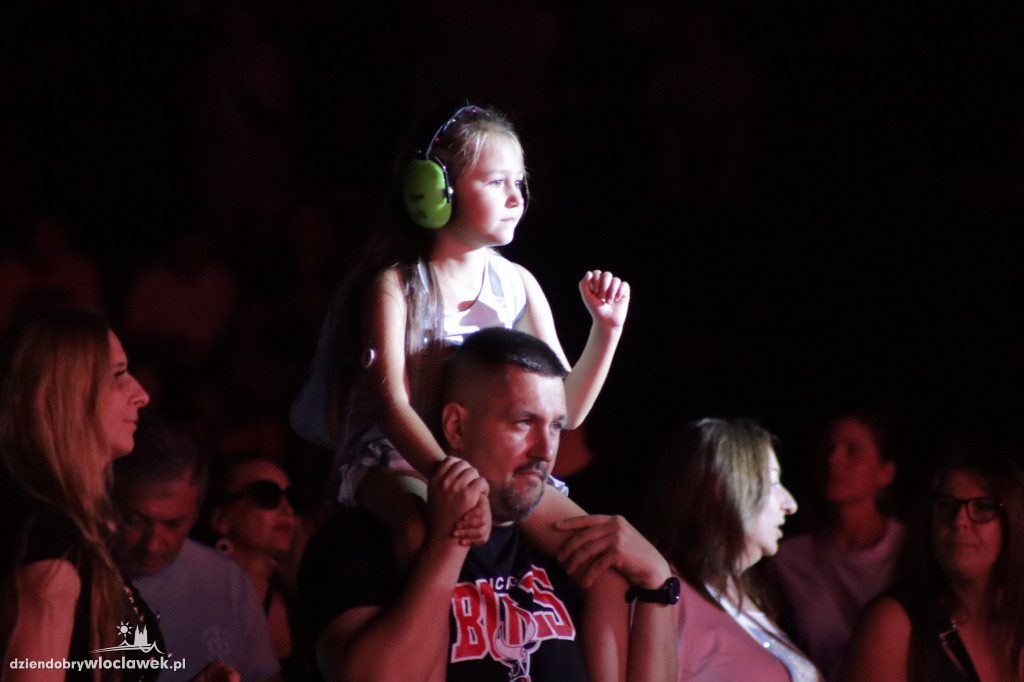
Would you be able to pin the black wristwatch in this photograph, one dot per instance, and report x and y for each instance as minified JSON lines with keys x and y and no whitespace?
{"x":666,"y":594}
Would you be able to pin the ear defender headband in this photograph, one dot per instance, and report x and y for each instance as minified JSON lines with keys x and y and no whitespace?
{"x":425,"y":187}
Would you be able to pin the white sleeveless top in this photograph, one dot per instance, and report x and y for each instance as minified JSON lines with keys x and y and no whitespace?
{"x":501,"y":302}
{"x":362,"y":445}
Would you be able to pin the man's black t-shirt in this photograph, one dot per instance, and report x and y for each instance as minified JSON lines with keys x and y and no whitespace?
{"x":513,"y":616}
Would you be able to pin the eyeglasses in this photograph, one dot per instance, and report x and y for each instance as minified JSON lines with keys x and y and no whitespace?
{"x":979,"y":509}
{"x":264,"y":494}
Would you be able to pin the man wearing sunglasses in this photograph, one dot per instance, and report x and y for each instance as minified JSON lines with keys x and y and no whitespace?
{"x":207,"y":606}
{"x":500,"y":611}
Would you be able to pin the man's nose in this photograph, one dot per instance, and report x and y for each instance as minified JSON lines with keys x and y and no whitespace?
{"x":155,"y":541}
{"x":545,"y":446}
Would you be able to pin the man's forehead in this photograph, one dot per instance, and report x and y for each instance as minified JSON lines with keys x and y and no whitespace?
{"x":163,"y":500}
{"x":519,"y":390}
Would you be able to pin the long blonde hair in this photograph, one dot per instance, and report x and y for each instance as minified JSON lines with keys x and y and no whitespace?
{"x":705,"y":490}
{"x":400,"y":244}
{"x":53,"y":445}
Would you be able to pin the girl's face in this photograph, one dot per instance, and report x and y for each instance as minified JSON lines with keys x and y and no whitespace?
{"x":250,"y":522}
{"x":964,"y":548}
{"x":488,"y":195}
{"x":765,"y":530}
{"x":121,"y":401}
{"x":855,"y":469}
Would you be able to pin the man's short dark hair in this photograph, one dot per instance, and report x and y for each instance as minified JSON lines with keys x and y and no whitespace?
{"x":162,"y":453}
{"x":496,"y":348}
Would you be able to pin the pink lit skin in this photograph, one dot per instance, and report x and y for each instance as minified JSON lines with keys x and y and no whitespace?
{"x":122,"y":400}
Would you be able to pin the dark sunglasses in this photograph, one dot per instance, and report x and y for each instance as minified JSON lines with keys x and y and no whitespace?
{"x":979,"y":509}
{"x":264,"y":494}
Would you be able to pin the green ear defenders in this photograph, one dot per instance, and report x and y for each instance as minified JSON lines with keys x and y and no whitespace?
{"x":426,"y":191}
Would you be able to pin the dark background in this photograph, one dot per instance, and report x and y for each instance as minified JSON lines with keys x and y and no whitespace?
{"x":815,"y":206}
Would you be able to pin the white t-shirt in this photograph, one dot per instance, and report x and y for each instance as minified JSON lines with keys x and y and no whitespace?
{"x":209,"y":610}
{"x":825,"y":586}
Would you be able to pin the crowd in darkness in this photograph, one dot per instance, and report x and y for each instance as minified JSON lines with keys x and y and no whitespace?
{"x":817,"y":208}
{"x":812,"y":203}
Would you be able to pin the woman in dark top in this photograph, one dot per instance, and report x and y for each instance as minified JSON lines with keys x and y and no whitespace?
{"x":68,"y":406}
{"x":959,"y":615}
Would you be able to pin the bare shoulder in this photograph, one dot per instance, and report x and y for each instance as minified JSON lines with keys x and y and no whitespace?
{"x":387,"y":283}
{"x":887,"y":614}
{"x":384,"y":305}
{"x":880,"y":642}
{"x":537,"y":302}
{"x":523,"y":272}
{"x":50,"y":582}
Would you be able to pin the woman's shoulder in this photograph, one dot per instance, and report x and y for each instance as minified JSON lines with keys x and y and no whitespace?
{"x":880,"y":642}
{"x":37,"y":532}
{"x":697,"y":602}
{"x":889,"y":612}
{"x":52,"y":535}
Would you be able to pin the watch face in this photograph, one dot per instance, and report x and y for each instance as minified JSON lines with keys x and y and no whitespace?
{"x":668,"y":593}
{"x":671,"y":588}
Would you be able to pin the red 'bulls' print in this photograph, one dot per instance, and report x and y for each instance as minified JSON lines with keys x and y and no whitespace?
{"x":507,"y":619}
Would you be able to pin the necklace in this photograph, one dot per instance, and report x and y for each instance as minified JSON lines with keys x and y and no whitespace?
{"x":463,"y":306}
{"x":772,"y":639}
{"x":143,"y":618}
{"x":466,"y":305}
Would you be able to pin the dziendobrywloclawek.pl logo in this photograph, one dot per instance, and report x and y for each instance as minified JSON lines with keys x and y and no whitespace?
{"x":140,"y":642}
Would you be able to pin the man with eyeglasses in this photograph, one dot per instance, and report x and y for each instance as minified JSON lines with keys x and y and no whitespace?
{"x":207,"y":606}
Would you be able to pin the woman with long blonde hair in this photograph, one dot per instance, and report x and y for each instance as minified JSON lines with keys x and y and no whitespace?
{"x":68,"y":406}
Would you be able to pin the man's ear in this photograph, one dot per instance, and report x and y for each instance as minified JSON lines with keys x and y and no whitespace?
{"x":453,"y":418}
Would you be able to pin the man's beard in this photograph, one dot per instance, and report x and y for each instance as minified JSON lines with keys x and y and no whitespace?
{"x":509,"y":505}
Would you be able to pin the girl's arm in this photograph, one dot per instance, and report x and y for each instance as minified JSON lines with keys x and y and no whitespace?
{"x":47,"y":593}
{"x":604,"y":626}
{"x":878,"y":648}
{"x":607,"y":299}
{"x":385,"y":314}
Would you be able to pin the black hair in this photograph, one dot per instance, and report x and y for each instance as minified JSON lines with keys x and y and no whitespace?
{"x":162,"y":453}
{"x":496,"y":348}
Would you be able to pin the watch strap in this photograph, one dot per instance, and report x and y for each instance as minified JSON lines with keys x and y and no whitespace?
{"x":667,"y":594}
